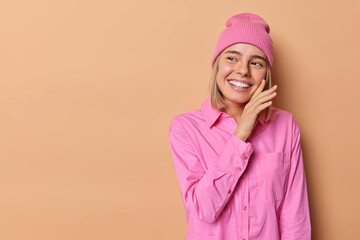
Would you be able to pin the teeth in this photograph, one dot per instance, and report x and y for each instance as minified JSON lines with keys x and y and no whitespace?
{"x":239,"y":84}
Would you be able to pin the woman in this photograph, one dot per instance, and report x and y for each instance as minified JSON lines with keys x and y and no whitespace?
{"x":238,"y":160}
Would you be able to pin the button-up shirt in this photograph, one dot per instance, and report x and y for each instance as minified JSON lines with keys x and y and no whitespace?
{"x":234,"y":189}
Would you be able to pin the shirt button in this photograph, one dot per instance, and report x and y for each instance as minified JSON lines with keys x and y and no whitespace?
{"x":244,"y":207}
{"x":229,"y":191}
{"x":244,"y":175}
{"x":238,"y":168}
{"x":245,"y":157}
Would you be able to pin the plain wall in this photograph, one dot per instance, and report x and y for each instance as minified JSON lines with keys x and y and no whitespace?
{"x":88,"y":89}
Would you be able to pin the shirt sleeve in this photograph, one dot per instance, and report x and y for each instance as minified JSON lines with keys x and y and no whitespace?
{"x":294,"y":214}
{"x":205,"y":192}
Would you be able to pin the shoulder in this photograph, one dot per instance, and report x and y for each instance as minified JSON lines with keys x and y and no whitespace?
{"x":280,"y":114}
{"x":284,"y":118}
{"x":183,"y":121}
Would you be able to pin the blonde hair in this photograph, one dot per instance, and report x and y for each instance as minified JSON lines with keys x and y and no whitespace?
{"x":216,"y":96}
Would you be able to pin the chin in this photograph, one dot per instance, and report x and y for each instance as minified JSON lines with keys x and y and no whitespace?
{"x":238,"y":100}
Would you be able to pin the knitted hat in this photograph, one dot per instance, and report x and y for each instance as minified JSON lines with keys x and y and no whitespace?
{"x":245,"y":28}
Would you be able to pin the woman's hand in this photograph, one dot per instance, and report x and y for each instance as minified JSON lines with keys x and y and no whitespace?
{"x":258,"y":102}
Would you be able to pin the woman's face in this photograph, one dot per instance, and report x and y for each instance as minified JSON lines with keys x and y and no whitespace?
{"x":241,"y":69}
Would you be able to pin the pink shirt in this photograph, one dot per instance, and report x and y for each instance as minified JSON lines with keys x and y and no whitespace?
{"x":233,"y":189}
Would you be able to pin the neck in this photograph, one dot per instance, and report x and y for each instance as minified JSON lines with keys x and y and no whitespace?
{"x":234,"y":110}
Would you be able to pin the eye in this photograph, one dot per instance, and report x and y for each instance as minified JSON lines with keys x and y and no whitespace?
{"x":230,"y":58}
{"x":257,"y":63}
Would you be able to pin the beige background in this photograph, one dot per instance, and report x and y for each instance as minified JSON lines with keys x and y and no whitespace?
{"x":88,"y":89}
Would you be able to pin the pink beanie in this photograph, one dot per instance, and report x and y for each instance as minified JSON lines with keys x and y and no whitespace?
{"x":245,"y":28}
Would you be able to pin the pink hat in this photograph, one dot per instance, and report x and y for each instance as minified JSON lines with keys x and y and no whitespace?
{"x":245,"y":28}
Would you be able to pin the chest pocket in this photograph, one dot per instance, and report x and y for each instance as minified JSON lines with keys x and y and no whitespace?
{"x":272,"y":170}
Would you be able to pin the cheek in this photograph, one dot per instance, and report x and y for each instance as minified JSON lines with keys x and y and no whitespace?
{"x":225,"y":69}
{"x":258,"y":76}
{"x":219,"y":81}
{"x":256,"y":87}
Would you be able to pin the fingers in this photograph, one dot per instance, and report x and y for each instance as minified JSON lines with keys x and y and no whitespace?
{"x":267,"y":97}
{"x":259,"y":89}
{"x":260,"y":97}
{"x":268,"y":92}
{"x":264,"y":101}
{"x":263,"y":106}
{"x":259,"y":101}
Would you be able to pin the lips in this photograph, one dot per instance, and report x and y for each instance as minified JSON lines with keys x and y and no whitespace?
{"x":241,"y":81}
{"x":240,"y":86}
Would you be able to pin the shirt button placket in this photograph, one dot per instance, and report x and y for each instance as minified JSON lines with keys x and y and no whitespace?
{"x":244,"y":207}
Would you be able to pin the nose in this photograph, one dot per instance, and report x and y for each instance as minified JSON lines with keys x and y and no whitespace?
{"x":242,"y":68}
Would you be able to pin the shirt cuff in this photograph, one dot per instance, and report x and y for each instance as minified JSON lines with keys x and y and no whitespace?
{"x":235,"y":155}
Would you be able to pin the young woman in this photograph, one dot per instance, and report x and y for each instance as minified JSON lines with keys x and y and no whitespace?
{"x":238,"y":159}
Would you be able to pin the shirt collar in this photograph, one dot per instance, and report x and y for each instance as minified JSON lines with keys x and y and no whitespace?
{"x":212,"y":114}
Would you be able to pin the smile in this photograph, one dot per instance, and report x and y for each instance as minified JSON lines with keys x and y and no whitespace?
{"x":239,"y":84}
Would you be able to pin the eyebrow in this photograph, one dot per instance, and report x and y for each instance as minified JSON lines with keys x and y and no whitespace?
{"x":253,"y":56}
